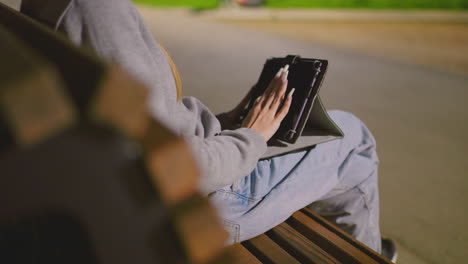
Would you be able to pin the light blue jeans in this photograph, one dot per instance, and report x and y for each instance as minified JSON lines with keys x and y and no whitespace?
{"x":337,"y":179}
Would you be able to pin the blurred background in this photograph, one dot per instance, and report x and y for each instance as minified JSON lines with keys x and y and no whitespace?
{"x":406,"y":4}
{"x":399,"y":65}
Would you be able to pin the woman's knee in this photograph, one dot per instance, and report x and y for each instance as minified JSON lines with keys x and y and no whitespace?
{"x":354,"y":130}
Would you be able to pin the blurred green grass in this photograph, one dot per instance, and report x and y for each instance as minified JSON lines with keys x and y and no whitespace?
{"x":372,"y":4}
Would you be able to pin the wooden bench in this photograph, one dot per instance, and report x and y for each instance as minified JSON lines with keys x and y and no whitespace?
{"x":87,"y":175}
{"x":58,"y":97}
{"x":306,"y":238}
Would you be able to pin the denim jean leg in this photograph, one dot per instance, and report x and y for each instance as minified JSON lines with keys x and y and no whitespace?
{"x":355,"y":211}
{"x":353,"y":205}
{"x":282,"y":185}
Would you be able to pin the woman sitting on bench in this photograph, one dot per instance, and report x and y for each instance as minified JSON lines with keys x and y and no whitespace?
{"x":337,"y":179}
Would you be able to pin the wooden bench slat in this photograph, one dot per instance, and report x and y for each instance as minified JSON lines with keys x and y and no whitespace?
{"x":299,"y":246}
{"x":359,"y":245}
{"x":267,"y":251}
{"x":80,"y":69}
{"x":33,"y":99}
{"x":224,"y":259}
{"x":164,"y":155}
{"x":327,"y":240}
{"x":97,"y":88}
{"x":200,"y":229}
{"x":122,"y":102}
{"x":243,"y":255}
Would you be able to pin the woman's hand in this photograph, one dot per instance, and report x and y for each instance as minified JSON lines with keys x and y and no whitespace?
{"x":266,"y":115}
{"x":234,"y":117}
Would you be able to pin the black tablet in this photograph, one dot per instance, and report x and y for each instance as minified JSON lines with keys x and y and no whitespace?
{"x":306,"y":76}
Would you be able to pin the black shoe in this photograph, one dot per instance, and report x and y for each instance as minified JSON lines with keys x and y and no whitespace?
{"x":389,"y":250}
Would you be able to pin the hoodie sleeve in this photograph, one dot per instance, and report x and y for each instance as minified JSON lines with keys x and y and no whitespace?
{"x":226,"y":157}
{"x":115,"y":30}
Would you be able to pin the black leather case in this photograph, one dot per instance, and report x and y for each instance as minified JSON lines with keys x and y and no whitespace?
{"x":306,"y":76}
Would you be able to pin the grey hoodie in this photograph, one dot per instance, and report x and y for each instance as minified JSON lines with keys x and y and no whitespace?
{"x":115,"y":30}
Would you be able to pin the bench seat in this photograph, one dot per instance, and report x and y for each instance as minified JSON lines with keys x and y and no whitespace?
{"x":306,"y":237}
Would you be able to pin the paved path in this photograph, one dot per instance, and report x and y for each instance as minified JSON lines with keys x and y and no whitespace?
{"x":333,"y":15}
{"x":418,"y":115}
{"x":438,"y":45}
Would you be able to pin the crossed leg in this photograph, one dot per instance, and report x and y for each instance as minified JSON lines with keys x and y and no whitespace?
{"x":337,"y":179}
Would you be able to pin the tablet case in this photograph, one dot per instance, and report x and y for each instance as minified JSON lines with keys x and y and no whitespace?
{"x":307,"y":123}
{"x":319,"y":128}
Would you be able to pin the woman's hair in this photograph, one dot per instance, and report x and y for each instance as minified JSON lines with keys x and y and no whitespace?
{"x":175,"y":72}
